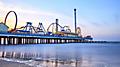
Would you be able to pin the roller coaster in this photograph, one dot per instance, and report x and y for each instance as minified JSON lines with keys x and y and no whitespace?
{"x":56,"y":29}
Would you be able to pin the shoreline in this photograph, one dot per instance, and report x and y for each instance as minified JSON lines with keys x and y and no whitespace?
{"x":4,"y":63}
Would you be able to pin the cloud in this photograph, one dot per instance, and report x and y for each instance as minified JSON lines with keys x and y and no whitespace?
{"x":35,"y":16}
{"x":8,"y":7}
{"x":87,"y":25}
{"x":1,"y":3}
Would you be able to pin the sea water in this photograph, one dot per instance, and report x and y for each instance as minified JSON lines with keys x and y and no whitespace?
{"x":64,"y":55}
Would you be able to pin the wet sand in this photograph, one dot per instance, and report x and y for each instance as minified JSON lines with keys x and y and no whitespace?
{"x":4,"y":63}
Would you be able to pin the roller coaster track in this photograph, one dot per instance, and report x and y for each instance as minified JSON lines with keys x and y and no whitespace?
{"x":53,"y":24}
{"x":67,"y":28}
{"x":15,"y":16}
{"x":78,"y":31}
{"x":40,"y":28}
{"x":31,"y":28}
{"x":63,"y":28}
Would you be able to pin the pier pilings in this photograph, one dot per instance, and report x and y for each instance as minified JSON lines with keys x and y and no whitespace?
{"x":17,"y":38}
{"x":30,"y":40}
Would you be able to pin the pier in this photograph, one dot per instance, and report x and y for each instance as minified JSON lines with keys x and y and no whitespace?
{"x":17,"y":38}
{"x":30,"y":34}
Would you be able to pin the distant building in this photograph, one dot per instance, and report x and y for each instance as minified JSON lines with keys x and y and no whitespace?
{"x":3,"y":27}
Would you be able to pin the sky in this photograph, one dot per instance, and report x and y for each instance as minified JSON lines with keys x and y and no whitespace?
{"x":98,"y":18}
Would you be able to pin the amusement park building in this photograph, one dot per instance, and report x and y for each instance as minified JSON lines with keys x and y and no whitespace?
{"x":3,"y":27}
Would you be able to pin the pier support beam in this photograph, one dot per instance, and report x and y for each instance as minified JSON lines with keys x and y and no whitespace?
{"x":4,"y":41}
{"x":8,"y":41}
{"x":19,"y":40}
{"x":0,"y":41}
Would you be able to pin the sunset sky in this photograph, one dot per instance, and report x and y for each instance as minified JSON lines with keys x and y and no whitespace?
{"x":98,"y":18}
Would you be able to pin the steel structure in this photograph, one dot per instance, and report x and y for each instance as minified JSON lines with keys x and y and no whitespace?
{"x":52,"y":24}
{"x":26,"y":29}
{"x":78,"y":31}
{"x":64,"y":28}
{"x":29,"y":34}
{"x":15,"y":16}
{"x":67,"y":29}
{"x":75,"y":20}
{"x":40,"y":29}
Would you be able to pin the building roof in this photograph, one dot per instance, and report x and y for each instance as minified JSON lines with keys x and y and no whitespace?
{"x":4,"y":24}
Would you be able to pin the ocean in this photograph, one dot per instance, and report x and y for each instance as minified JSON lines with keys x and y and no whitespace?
{"x":63,"y":55}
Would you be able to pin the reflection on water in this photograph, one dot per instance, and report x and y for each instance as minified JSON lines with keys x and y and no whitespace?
{"x":64,"y":55}
{"x":48,"y":62}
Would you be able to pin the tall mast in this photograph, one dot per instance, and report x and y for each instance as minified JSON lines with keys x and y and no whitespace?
{"x":75,"y":20}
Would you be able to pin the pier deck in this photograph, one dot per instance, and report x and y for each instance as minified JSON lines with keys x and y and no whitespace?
{"x":20,"y":38}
